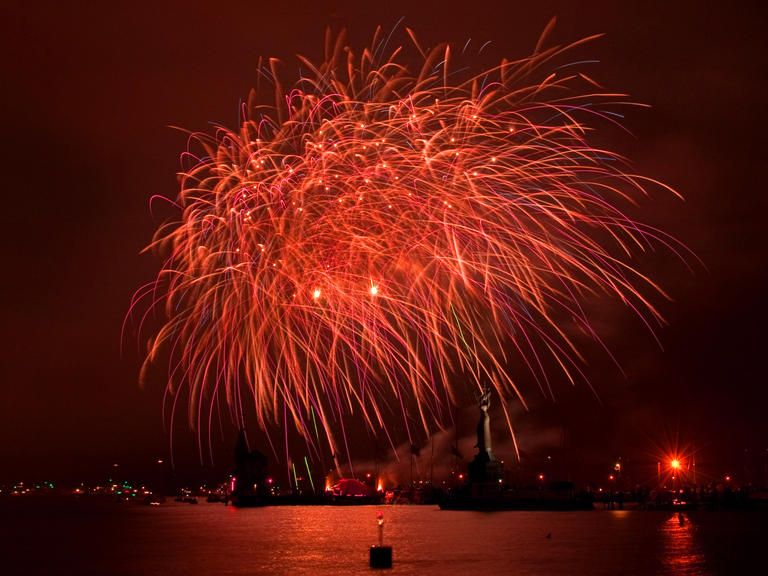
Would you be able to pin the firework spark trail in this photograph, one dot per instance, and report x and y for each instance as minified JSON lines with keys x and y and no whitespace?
{"x":381,"y":232}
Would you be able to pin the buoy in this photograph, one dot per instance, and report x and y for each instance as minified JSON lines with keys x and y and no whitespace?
{"x":380,"y":555}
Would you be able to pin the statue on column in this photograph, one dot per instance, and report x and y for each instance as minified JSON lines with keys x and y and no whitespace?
{"x":485,"y":472}
{"x":484,"y":427}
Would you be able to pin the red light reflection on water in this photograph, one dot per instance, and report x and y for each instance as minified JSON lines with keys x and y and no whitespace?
{"x":681,"y":551}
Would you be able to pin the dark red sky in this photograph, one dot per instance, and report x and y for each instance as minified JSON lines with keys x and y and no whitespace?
{"x":89,"y":90}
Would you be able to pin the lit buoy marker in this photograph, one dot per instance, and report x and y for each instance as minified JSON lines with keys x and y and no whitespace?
{"x":380,"y":556}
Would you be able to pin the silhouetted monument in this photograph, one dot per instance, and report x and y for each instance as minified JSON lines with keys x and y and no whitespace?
{"x":485,"y":489}
{"x":485,"y":472}
{"x":250,"y":476}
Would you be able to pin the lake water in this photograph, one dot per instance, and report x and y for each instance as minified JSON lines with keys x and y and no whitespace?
{"x":91,"y":537}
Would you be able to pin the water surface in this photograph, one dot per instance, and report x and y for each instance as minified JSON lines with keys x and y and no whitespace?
{"x":91,"y":537}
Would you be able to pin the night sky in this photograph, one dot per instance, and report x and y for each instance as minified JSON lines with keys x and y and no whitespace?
{"x":90,"y":91}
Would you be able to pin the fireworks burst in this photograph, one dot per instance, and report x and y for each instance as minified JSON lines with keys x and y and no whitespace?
{"x":388,"y":231}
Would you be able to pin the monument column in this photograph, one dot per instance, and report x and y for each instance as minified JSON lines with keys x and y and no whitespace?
{"x":485,"y":472}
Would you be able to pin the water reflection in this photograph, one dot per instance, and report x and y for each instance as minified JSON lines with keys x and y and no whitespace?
{"x":681,"y":551}
{"x":75,"y":537}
